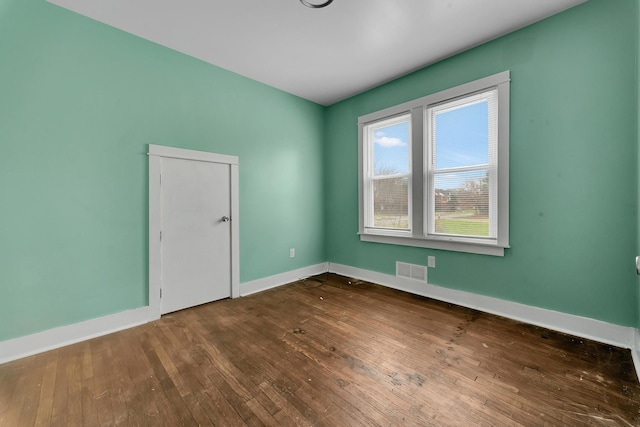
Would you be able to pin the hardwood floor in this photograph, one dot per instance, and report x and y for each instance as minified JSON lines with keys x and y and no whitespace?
{"x":326,"y":351}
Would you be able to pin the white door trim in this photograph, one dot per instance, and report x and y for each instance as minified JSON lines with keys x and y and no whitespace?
{"x":156,"y":153}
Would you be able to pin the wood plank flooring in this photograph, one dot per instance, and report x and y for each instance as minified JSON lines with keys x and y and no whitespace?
{"x":326,"y":351}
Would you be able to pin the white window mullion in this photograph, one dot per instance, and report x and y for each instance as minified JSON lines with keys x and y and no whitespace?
{"x":417,"y":173}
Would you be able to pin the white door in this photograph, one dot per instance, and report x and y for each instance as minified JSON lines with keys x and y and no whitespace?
{"x":195,"y":210}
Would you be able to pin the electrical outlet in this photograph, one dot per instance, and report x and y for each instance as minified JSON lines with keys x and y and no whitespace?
{"x":431,"y":262}
{"x":292,"y":253}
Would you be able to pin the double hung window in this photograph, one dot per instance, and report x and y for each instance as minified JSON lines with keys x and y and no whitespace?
{"x":389,"y":170}
{"x":434,"y":172}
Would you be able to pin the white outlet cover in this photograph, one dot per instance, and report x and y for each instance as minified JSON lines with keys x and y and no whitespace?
{"x":431,"y":262}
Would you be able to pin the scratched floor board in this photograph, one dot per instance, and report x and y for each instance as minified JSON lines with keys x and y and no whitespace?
{"x":325,"y":351}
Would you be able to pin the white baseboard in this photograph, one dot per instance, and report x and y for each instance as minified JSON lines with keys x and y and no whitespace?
{"x":64,"y":335}
{"x":620,"y":336}
{"x":635,"y":352}
{"x":265,"y":283}
{"x":607,"y":333}
{"x":50,"y":339}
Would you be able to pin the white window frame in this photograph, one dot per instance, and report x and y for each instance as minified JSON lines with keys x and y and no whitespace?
{"x":370,"y":177}
{"x":419,"y":177}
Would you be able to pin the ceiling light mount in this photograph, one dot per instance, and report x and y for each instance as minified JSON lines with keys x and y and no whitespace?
{"x":316,"y":5}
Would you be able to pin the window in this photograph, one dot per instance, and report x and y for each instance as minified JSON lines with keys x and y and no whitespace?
{"x":389,"y":169}
{"x":434,"y":172}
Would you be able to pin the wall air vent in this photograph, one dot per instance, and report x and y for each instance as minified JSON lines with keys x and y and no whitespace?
{"x":411,"y":271}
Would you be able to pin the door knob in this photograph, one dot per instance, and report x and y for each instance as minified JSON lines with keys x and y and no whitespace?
{"x":225,"y":219}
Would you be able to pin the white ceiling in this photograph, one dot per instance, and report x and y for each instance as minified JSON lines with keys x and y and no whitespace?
{"x":323,"y":55}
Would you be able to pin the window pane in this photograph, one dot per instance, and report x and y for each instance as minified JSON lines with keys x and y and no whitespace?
{"x":391,"y":148}
{"x":391,"y":203}
{"x":462,"y":136}
{"x":462,"y":203}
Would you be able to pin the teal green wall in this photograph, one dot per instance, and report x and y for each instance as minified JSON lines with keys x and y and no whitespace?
{"x":79,"y":104}
{"x":574,"y":148}
{"x":637,"y":89}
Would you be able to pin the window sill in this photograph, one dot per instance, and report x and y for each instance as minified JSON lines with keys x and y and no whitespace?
{"x":447,"y":245}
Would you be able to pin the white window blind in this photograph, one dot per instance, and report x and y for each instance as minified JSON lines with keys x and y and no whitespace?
{"x":389,"y":173}
{"x":462,"y":141}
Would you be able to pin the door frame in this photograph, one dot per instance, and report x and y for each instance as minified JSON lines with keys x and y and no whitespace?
{"x":156,"y":153}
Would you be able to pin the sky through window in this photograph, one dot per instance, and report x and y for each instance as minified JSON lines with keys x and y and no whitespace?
{"x":391,"y":149}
